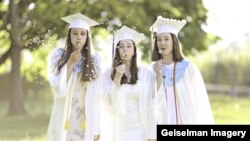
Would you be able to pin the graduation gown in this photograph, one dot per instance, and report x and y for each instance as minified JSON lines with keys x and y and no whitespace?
{"x":63,"y":91}
{"x":130,"y":107}
{"x":190,"y":103}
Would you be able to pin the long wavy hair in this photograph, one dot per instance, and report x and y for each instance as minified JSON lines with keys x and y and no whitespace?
{"x":88,"y":71}
{"x":177,"y":52}
{"x":133,"y":67}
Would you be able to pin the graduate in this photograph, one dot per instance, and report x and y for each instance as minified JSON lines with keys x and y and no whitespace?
{"x":181,"y":95}
{"x":128,"y":88}
{"x":74,"y":75}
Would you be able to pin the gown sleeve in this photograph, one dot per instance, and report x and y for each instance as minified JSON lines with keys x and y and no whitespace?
{"x":114,"y":99}
{"x":55,"y":128}
{"x":159,"y":99}
{"x":54,"y":79}
{"x":202,"y":106}
{"x":58,"y":82}
{"x":151,"y":113}
{"x":97,"y":92}
{"x":62,"y":90}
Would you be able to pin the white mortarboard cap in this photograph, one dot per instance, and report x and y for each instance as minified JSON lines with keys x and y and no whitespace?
{"x":127,"y":33}
{"x":162,"y":25}
{"x":79,"y":20}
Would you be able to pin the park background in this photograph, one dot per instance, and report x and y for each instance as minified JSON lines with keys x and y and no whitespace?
{"x":216,"y":37}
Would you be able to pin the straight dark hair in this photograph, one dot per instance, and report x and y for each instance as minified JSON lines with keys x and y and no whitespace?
{"x":177,"y":51}
{"x":133,"y":67}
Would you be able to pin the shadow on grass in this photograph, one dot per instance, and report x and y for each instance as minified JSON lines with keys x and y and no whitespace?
{"x":31,"y":127}
{"x":15,"y":128}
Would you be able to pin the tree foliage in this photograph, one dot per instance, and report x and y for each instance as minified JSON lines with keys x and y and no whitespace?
{"x":30,"y":24}
{"x":40,"y":19}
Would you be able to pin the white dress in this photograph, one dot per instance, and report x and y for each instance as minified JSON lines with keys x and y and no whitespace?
{"x":72,"y":102}
{"x":133,"y":126}
{"x":131,"y":107}
{"x":190,"y":103}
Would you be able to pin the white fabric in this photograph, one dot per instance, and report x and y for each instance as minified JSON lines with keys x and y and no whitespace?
{"x":162,"y":25}
{"x":125,"y":33}
{"x":192,"y":101}
{"x":167,"y":28}
{"x":63,"y":92}
{"x":131,"y":108}
{"x":79,"y":23}
{"x":79,"y":20}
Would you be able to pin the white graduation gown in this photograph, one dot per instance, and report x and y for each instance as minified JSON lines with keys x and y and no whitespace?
{"x":131,"y":107}
{"x":63,"y":92}
{"x":192,"y":103}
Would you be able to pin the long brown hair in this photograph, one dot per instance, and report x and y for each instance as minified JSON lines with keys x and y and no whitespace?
{"x":88,"y":71}
{"x":177,"y":52}
{"x":133,"y":67}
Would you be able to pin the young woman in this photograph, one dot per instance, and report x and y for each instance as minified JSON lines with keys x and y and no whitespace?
{"x":129,"y":91}
{"x":181,"y":94}
{"x":73,"y":74}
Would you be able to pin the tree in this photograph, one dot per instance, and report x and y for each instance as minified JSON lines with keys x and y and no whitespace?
{"x":26,"y":25}
{"x":141,"y":14}
{"x":26,"y":31}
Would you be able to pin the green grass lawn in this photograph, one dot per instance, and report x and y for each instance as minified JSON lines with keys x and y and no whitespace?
{"x":230,"y":110}
{"x":33,"y":126}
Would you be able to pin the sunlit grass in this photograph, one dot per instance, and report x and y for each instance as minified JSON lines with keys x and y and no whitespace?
{"x":24,"y":126}
{"x":230,"y":110}
{"x":33,"y":126}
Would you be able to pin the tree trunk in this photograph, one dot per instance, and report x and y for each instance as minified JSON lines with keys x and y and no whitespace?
{"x":16,"y":97}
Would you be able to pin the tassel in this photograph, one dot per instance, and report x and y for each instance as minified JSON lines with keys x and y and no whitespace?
{"x":83,"y":124}
{"x":66,"y":126}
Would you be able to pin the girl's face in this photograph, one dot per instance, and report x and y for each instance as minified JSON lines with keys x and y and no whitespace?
{"x":126,"y":50}
{"x":78,"y":37}
{"x":164,"y":43}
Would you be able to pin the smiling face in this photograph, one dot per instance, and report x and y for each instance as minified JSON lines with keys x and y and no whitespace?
{"x":165,"y":43}
{"x":126,"y":50}
{"x":78,"y":37}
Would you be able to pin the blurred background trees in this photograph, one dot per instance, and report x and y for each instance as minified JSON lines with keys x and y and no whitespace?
{"x":30,"y":29}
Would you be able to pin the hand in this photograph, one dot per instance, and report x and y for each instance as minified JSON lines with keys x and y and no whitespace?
{"x":120,"y":70}
{"x":96,"y":137}
{"x":75,"y":56}
{"x":119,"y":73}
{"x":158,"y":67}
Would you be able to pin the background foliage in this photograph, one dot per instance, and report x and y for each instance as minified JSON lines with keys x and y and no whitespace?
{"x":34,"y":26}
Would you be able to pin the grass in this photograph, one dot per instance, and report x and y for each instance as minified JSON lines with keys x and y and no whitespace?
{"x":23,"y":128}
{"x":33,"y":126}
{"x":230,"y":110}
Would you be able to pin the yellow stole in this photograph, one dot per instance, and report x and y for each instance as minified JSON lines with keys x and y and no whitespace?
{"x":83,"y":122}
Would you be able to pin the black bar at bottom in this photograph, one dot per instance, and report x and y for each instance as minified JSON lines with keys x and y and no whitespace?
{"x":222,"y":132}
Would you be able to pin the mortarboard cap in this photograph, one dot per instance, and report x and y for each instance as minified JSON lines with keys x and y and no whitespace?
{"x":127,"y":33}
{"x":162,"y":25}
{"x":79,"y":20}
